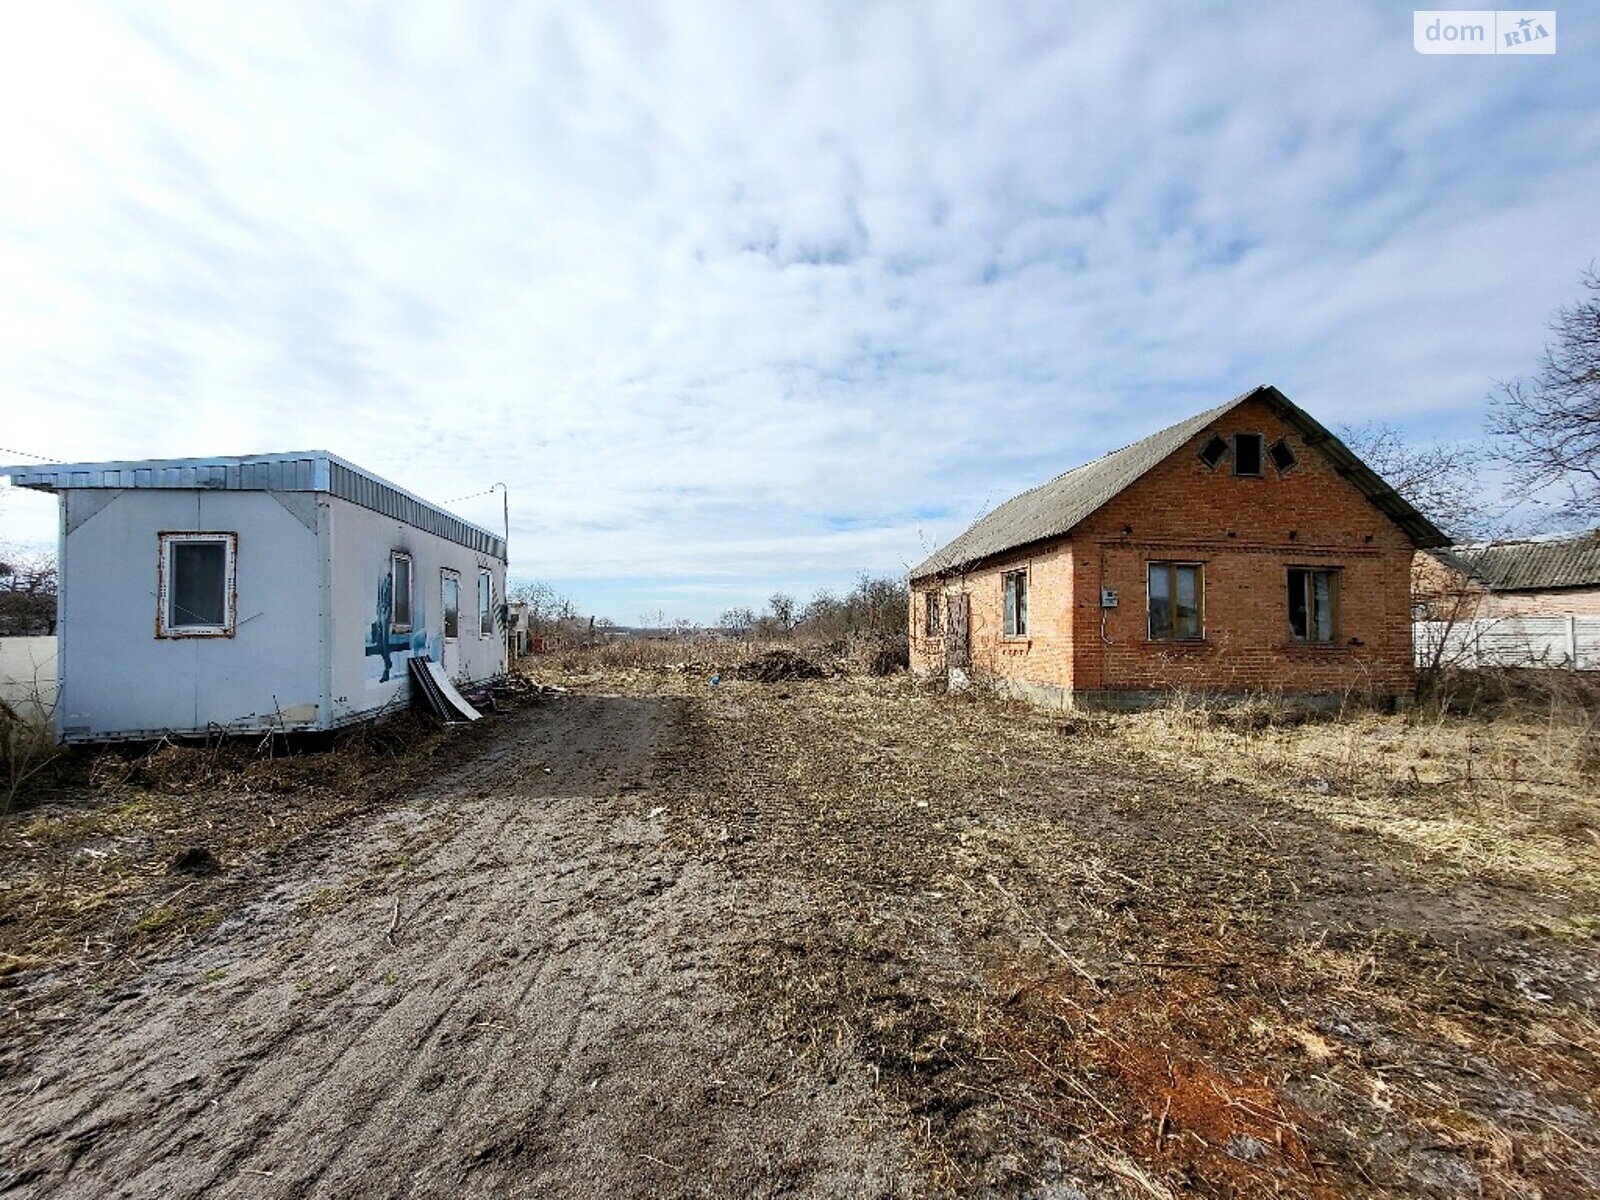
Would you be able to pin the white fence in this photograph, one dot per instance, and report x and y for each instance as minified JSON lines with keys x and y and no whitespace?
{"x":28,"y":676}
{"x":1565,"y":642}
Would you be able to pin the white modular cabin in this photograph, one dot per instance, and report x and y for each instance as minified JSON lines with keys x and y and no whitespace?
{"x":266,"y":592}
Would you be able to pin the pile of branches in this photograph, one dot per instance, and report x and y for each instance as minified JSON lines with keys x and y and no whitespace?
{"x":778,"y":666}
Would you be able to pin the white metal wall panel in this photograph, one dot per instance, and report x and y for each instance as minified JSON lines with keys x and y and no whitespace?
{"x":361,"y":544}
{"x":119,"y":679}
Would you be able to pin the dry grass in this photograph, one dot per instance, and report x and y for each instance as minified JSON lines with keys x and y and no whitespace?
{"x":1514,"y":794}
{"x":118,"y":854}
{"x":704,"y":655}
{"x":1151,"y":954}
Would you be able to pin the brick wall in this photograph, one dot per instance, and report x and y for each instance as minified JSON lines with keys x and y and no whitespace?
{"x":1247,"y":532}
{"x":1044,"y":656}
{"x":1583,"y":602}
{"x":1444,"y":593}
{"x":1450,"y":595}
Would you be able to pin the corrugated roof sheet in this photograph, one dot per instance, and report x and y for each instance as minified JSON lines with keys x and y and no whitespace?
{"x":1053,"y":509}
{"x":299,"y":471}
{"x":1530,"y":566}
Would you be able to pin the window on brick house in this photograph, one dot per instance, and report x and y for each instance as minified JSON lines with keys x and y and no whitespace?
{"x":930,"y":622}
{"x":1015,"y":584}
{"x":1213,"y":452}
{"x":1177,"y":593}
{"x":1313,"y":604}
{"x":1247,"y":453}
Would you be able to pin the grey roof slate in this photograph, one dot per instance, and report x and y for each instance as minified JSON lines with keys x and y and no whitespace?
{"x":1053,"y":509}
{"x":1530,"y":566}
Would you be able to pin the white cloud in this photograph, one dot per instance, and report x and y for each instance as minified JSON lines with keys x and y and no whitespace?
{"x":731,"y":293}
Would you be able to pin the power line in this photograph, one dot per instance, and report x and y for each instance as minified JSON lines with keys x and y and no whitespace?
{"x":458,"y":499}
{"x":25,"y":454}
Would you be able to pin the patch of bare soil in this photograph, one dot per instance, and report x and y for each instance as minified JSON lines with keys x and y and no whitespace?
{"x":506,"y":983}
{"x":852,"y":937}
{"x":119,"y":855}
{"x":1072,"y":971}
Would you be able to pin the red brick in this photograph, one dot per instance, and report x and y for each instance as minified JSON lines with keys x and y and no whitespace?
{"x":1247,"y":532}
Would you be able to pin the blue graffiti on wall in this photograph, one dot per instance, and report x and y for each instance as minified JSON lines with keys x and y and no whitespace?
{"x":382,"y":638}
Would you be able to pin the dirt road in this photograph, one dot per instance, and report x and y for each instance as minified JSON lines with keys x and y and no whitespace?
{"x":504,"y":986}
{"x":839,"y":937}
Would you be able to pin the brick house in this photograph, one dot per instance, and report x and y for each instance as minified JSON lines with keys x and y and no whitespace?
{"x":1537,"y":577}
{"x":1244,"y":550}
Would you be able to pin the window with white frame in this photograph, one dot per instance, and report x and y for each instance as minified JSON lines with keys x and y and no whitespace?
{"x":1015,"y":584}
{"x":485,"y":603}
{"x":196,"y":596}
{"x":450,"y":602}
{"x":399,"y":592}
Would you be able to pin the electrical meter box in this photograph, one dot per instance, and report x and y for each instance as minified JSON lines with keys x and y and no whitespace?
{"x":1108,"y":597}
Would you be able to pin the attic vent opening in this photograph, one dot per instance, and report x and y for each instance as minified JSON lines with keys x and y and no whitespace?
{"x":1213,"y":452}
{"x":1247,"y":453}
{"x":1282,"y":457}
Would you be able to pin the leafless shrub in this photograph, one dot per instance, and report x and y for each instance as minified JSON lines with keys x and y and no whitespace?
{"x":881,"y":653}
{"x":27,"y":745}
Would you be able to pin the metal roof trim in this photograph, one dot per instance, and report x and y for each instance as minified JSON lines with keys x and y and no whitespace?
{"x":293,"y":471}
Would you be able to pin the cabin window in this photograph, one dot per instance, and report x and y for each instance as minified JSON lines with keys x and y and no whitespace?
{"x":450,"y":601}
{"x":485,"y":604}
{"x":1313,"y":604}
{"x":1213,"y":452}
{"x":1177,"y":593}
{"x":1015,"y":584}
{"x":399,"y":593}
{"x":197,"y":585}
{"x":931,"y":624}
{"x":1282,"y":456}
{"x":1247,"y":453}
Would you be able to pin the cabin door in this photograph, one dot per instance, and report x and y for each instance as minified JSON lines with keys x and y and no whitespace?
{"x":450,"y":605}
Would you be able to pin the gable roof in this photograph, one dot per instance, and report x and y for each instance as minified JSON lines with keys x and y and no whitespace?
{"x":1530,"y":566}
{"x":1053,"y":509}
{"x":298,"y":471}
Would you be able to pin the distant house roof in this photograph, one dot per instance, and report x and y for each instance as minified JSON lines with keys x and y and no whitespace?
{"x":1535,"y":565}
{"x":1053,"y":509}
{"x":298,"y":471}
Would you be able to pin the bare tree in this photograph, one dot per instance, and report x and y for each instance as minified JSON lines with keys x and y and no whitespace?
{"x":1550,"y":423}
{"x":27,"y":595}
{"x":552,"y":614}
{"x":1443,"y":481}
{"x":737,"y":621}
{"x":782,"y":607}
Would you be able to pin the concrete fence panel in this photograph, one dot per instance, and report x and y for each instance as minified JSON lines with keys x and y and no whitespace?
{"x":28,"y":676}
{"x":1560,"y":642}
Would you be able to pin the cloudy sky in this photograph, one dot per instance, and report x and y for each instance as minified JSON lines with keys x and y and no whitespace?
{"x":744,"y":297}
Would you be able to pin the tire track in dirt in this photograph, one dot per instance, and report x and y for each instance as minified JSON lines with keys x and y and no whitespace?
{"x":545,"y":1020}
